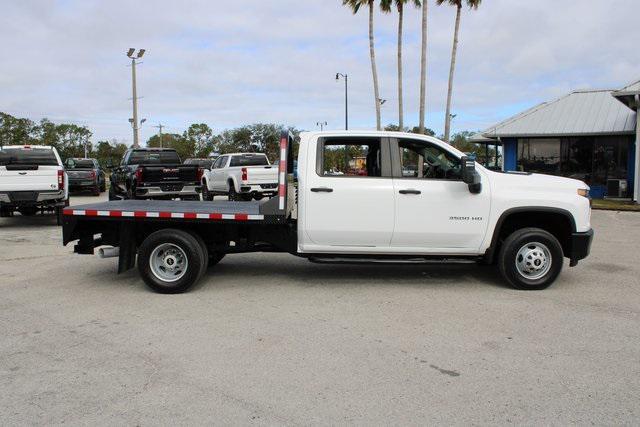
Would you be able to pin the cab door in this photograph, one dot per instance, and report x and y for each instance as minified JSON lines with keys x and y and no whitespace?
{"x":435,"y":211}
{"x":348,"y":194}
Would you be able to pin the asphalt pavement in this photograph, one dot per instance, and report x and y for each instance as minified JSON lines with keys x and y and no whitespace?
{"x":274,"y":339}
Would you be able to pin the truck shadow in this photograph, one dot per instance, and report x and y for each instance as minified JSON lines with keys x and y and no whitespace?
{"x":236,"y":272}
{"x":19,"y":221}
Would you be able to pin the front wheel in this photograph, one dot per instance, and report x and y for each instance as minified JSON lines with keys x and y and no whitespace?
{"x":170,"y":261}
{"x":530,"y":259}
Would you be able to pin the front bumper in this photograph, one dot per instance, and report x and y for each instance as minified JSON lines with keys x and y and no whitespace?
{"x":580,"y":246}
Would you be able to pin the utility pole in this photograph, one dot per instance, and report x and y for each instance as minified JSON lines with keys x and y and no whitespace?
{"x":134,"y":121}
{"x":322,"y":125}
{"x":160,"y":126}
{"x":346,"y":98}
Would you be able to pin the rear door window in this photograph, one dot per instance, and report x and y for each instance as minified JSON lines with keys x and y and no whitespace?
{"x":153,"y":157}
{"x":352,"y":157}
{"x":28,"y":156}
{"x":249,"y":160}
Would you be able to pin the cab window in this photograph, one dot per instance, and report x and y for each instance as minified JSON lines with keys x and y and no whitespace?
{"x":352,"y":157}
{"x":419,"y":159}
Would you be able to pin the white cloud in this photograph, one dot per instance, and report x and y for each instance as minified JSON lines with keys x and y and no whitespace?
{"x":247,"y":61}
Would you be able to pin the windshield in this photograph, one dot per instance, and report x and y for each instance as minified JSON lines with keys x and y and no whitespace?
{"x":27,"y":156}
{"x":153,"y":157}
{"x":80,"y":164}
{"x":249,"y":160}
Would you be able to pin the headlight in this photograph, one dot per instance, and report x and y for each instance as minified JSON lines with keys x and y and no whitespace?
{"x":584,"y":192}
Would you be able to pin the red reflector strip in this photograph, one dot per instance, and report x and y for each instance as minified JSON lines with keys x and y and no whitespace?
{"x":174,"y":215}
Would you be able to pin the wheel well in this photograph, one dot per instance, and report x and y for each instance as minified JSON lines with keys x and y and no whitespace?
{"x":558,"y":223}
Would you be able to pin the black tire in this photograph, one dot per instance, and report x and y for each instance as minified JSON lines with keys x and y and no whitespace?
{"x":206,"y":195}
{"x":103,"y":186}
{"x":112,"y":194}
{"x":28,"y":210}
{"x":96,"y":191}
{"x":188,"y":244}
{"x":519,"y":240}
{"x":205,"y":252}
{"x":233,"y":195}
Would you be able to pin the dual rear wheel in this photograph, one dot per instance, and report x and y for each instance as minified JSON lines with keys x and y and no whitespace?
{"x":170,"y":261}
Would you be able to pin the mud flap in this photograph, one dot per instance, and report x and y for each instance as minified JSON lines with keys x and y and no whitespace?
{"x":127,"y":255}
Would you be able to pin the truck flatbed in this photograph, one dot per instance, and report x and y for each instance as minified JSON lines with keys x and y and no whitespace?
{"x":170,"y":209}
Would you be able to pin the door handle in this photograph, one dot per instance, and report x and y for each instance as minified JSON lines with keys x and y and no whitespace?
{"x":322,"y":190}
{"x":410,"y":191}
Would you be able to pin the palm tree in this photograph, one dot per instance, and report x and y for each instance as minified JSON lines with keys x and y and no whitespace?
{"x":385,"y":5}
{"x":423,"y":67}
{"x":473,"y":4}
{"x":355,"y":6}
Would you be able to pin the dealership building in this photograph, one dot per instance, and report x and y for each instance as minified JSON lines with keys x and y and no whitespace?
{"x":589,"y":135}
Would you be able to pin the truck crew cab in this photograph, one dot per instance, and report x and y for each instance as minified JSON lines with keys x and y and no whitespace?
{"x":359,"y":196}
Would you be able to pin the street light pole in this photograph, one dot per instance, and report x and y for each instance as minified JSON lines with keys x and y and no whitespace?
{"x":134,"y":90}
{"x":346,"y":98}
{"x":160,"y":126}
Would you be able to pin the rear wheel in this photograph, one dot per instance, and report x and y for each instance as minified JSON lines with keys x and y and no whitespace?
{"x":530,"y":259}
{"x":170,"y":261}
{"x":233,"y":195}
{"x":206,"y":195}
{"x":103,"y":186}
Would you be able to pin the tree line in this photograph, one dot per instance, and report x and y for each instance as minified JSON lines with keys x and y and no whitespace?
{"x":198,"y":140}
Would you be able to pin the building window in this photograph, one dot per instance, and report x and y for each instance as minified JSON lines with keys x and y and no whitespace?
{"x":539,"y":155}
{"x":610,"y":159}
{"x":577,"y":158}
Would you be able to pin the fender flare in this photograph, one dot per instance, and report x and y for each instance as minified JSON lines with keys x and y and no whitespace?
{"x":490,"y":253}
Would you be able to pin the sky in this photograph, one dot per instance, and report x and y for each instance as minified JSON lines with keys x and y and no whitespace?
{"x":248,"y":61}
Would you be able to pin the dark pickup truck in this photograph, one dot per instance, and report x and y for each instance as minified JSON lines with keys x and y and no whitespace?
{"x":154,"y":173}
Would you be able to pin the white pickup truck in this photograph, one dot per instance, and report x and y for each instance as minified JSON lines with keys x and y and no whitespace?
{"x":241,"y":176}
{"x":359,"y":196}
{"x":32,"y":179}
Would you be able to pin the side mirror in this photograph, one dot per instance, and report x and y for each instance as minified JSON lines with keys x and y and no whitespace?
{"x":470,"y":176}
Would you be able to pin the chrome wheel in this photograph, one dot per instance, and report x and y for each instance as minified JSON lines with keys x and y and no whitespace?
{"x":533,"y":260}
{"x":168,"y":262}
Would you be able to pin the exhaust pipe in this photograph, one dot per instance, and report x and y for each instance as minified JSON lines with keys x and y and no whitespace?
{"x":108,"y":252}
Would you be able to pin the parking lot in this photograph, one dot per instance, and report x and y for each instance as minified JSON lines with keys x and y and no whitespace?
{"x":273,"y":339}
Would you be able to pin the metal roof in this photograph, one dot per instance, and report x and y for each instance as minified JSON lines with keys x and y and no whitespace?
{"x":582,"y":112}
{"x":627,"y":94}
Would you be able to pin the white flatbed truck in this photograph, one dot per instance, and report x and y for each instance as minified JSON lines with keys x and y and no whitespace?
{"x":359,"y":196}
